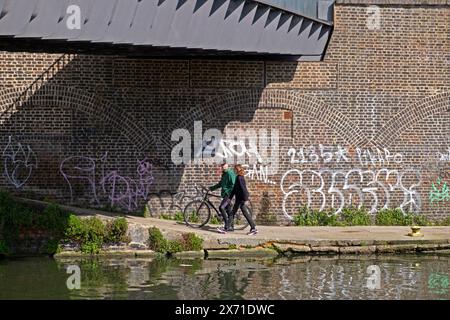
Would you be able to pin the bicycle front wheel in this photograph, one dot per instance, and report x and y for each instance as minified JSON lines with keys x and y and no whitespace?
{"x":197,"y":213}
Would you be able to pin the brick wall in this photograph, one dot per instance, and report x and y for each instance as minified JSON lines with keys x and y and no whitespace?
{"x":367,"y":126}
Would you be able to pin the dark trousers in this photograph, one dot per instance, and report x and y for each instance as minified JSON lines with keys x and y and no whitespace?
{"x":240,"y":204}
{"x":225,"y":211}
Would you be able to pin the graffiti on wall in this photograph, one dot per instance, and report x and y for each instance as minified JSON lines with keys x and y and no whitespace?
{"x":338,"y":188}
{"x":439,"y":191}
{"x":238,"y":149}
{"x":122,"y":191}
{"x":258,"y":173}
{"x":337,"y":154}
{"x":444,"y":156}
{"x":125,"y":191}
{"x":169,"y":202}
{"x":234,"y":146}
{"x":376,"y":189}
{"x":19,"y":162}
{"x":324,"y":154}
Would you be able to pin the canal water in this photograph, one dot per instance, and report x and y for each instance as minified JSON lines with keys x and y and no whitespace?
{"x":306,"y":277}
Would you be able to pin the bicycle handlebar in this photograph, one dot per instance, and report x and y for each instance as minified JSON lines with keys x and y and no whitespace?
{"x":208,"y":192}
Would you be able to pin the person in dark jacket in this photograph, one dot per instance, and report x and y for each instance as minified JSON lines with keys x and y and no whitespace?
{"x":241,"y":193}
{"x":226,"y":184}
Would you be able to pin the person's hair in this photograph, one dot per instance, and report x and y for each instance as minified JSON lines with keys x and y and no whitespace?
{"x":239,"y":170}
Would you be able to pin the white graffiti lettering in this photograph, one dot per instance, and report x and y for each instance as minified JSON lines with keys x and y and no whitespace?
{"x":338,"y":154}
{"x":19,"y":162}
{"x":258,"y":173}
{"x":375,"y":189}
{"x":444,"y":156}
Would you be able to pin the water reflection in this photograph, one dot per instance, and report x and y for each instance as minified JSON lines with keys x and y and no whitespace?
{"x":317,"y":277}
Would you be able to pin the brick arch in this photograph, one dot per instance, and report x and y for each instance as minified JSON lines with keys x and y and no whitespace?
{"x":7,"y":97}
{"x":407,"y":117}
{"x":83,"y":101}
{"x":292,"y":100}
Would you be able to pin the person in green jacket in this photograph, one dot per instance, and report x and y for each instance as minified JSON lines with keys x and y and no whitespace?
{"x":226,"y":184}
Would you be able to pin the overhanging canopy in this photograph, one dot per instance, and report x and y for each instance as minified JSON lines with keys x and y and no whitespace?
{"x":223,"y":28}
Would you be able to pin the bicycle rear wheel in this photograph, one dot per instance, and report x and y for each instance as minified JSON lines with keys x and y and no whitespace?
{"x":196,"y":213}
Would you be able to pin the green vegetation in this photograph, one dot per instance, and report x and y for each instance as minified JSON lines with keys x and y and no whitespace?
{"x":156,"y":240}
{"x":19,"y":220}
{"x":192,"y":242}
{"x":422,"y":221}
{"x":395,"y":217}
{"x":355,"y":217}
{"x":4,"y":250}
{"x":177,"y":217}
{"x":392,"y":217}
{"x":116,"y":231}
{"x":194,"y":217}
{"x":146,"y":212}
{"x":445,"y":222}
{"x":188,"y":242}
{"x":309,"y":217}
{"x":215,"y":220}
{"x":90,"y":234}
{"x":352,"y":216}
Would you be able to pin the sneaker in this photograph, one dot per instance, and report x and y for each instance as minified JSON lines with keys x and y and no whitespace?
{"x":222,"y":230}
{"x":252,"y":232}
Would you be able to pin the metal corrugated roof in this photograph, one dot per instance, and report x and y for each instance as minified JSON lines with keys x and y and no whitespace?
{"x":163,"y":27}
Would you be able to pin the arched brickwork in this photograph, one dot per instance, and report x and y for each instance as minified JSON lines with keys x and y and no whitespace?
{"x":7,"y":98}
{"x":292,"y":100}
{"x":85,"y":102}
{"x":410,"y":115}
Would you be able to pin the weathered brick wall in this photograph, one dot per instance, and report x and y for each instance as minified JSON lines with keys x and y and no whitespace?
{"x":368,"y":126}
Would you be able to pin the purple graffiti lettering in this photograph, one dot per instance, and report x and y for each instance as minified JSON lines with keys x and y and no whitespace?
{"x":81,"y":168}
{"x":125,"y":191}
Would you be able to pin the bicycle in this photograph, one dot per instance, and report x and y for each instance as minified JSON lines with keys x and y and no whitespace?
{"x":197,"y":213}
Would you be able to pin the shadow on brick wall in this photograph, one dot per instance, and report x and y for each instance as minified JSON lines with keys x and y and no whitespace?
{"x":95,"y":130}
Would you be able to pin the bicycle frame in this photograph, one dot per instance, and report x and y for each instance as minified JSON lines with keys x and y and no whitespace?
{"x":209,"y":203}
{"x":205,"y":199}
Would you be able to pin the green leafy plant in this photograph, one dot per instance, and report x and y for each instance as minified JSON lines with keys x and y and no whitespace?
{"x":355,"y":217}
{"x":53,"y":219}
{"x":156,"y":240}
{"x":445,"y":221}
{"x":146,"y":212}
{"x":179,"y":217}
{"x":174,"y":246}
{"x":192,"y":242}
{"x":188,"y":242}
{"x":116,"y":231}
{"x":215,"y":220}
{"x":75,"y":230}
{"x":52,"y":246}
{"x":90,"y":247}
{"x":393,"y":217}
{"x":309,"y":217}
{"x":194,"y":217}
{"x":88,"y":233}
{"x":4,"y":249}
{"x":421,"y":221}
